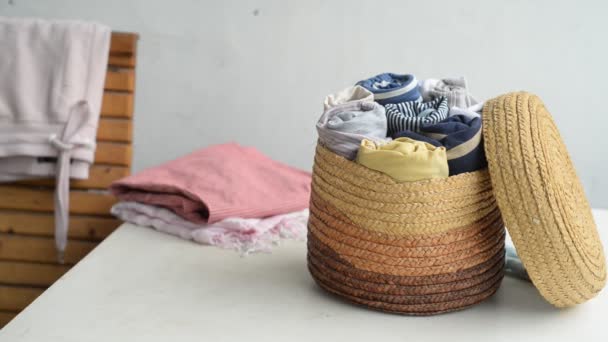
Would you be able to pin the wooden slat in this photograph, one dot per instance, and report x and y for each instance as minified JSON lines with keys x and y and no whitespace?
{"x":113,"y":129}
{"x":29,"y":273}
{"x":126,"y":61}
{"x":17,"y":298}
{"x":41,"y":199}
{"x":41,"y":249}
{"x":113,"y":153}
{"x":116,"y":104}
{"x":7,"y":316}
{"x":120,"y":79}
{"x":100,"y":177}
{"x":123,"y":43}
{"x":91,"y":228}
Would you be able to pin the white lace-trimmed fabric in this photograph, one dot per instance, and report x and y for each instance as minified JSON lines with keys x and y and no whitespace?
{"x":51,"y":89}
{"x":244,"y":235}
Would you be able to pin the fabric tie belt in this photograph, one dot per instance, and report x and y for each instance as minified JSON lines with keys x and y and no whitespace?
{"x":65,"y":144}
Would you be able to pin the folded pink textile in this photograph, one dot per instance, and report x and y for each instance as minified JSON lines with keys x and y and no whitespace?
{"x":218,"y":182}
{"x":244,"y":235}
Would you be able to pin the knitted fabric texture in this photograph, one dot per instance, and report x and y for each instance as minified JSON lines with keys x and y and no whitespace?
{"x":404,"y":159}
{"x":392,"y":88}
{"x":218,"y":182}
{"x":412,"y":115}
{"x":343,"y":127}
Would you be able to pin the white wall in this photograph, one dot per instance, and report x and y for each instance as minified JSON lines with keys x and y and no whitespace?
{"x":257,"y":71}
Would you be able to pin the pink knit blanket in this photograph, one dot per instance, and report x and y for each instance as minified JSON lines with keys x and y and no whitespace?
{"x":218,"y":182}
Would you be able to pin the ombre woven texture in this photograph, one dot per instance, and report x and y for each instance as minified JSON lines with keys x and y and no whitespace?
{"x":542,"y":201}
{"x":416,"y":248}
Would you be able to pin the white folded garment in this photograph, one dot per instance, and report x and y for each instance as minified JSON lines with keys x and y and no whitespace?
{"x":454,"y":89}
{"x":52,"y":75}
{"x":244,"y":235}
{"x":471,"y":112}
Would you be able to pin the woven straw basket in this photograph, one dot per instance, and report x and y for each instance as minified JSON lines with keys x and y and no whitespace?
{"x":434,"y":246}
{"x":416,"y":248}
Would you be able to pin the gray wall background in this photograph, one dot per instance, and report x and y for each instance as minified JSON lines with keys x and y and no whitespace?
{"x":257,"y":71}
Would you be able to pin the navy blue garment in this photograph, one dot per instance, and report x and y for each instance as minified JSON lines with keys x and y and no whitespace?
{"x":393,"y":88}
{"x":462,"y":138}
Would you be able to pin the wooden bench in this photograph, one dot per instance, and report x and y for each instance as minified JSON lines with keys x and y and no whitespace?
{"x":27,"y":248}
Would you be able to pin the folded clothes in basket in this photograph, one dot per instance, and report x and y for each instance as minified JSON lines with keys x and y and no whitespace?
{"x":392,"y":88}
{"x":350,"y":94}
{"x":461,"y":135}
{"x":342,"y":128}
{"x":404,"y":159}
{"x":454,"y":89}
{"x":244,"y":235}
{"x":412,"y":115}
{"x":218,"y":182}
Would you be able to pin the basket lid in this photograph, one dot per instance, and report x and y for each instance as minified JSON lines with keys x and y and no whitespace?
{"x":541,"y":200}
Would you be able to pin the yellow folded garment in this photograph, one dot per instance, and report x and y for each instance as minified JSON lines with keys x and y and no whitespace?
{"x":404,"y":159}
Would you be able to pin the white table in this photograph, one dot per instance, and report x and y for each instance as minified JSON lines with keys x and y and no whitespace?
{"x":141,"y":285}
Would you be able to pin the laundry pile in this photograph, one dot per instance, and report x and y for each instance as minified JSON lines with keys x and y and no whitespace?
{"x":407,"y":129}
{"x":226,"y":195}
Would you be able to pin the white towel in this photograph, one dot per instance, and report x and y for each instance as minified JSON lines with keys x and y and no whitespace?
{"x":51,"y":87}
